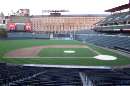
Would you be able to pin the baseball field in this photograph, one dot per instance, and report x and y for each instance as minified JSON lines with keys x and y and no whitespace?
{"x":59,"y":52}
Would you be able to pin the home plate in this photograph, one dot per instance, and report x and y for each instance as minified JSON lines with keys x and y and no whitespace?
{"x":105,"y":57}
{"x":69,"y":51}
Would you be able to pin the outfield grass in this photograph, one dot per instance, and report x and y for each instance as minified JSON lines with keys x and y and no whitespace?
{"x":9,"y":45}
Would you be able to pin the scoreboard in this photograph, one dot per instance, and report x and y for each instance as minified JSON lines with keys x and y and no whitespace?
{"x":11,"y":26}
{"x":28,"y":27}
{"x":22,"y":27}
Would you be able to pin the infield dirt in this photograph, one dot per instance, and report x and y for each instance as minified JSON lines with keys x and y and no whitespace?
{"x":34,"y":51}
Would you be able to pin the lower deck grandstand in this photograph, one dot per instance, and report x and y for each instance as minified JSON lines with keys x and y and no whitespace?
{"x":12,"y":75}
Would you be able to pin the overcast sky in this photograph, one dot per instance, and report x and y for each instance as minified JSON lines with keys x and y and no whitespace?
{"x":74,"y":6}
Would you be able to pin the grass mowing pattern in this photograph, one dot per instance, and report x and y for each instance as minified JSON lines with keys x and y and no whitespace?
{"x":59,"y":52}
{"x":8,"y":45}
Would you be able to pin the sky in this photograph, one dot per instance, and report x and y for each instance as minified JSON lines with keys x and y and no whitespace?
{"x":74,"y":6}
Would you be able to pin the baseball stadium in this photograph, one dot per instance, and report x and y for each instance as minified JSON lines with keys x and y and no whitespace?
{"x":65,"y":50}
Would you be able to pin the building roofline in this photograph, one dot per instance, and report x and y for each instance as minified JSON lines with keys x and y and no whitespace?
{"x":75,"y":15}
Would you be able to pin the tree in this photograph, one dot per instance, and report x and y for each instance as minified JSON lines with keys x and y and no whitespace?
{"x":2,"y":14}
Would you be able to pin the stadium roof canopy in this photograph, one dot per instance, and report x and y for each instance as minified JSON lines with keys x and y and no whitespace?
{"x":122,"y":7}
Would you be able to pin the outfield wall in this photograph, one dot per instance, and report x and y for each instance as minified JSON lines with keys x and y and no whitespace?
{"x":27,"y":35}
{"x":30,"y":35}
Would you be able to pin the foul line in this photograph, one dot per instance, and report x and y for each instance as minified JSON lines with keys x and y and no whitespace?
{"x":54,"y":57}
{"x":91,"y":49}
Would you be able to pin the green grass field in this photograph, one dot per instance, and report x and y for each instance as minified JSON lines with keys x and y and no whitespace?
{"x":84,"y":53}
{"x":59,"y":52}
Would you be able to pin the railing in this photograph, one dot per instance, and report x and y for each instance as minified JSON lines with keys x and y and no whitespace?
{"x":122,"y":49}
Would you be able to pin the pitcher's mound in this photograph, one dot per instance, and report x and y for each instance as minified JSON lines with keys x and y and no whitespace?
{"x":105,"y":57}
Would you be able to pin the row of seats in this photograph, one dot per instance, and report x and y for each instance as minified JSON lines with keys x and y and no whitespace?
{"x":56,"y":77}
{"x":115,"y":22}
{"x":114,"y":28}
{"x":18,"y":75}
{"x":10,"y":74}
{"x":86,"y":31}
{"x":103,"y":77}
{"x":110,"y":41}
{"x":117,"y":17}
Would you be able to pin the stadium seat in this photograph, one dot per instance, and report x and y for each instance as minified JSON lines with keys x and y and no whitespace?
{"x":109,"y":41}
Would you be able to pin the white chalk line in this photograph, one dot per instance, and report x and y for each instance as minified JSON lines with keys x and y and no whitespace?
{"x":54,"y":57}
{"x":91,"y":49}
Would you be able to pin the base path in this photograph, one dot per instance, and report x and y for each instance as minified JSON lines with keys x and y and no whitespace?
{"x":34,"y":51}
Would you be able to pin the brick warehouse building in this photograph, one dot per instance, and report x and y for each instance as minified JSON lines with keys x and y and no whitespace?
{"x":64,"y":23}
